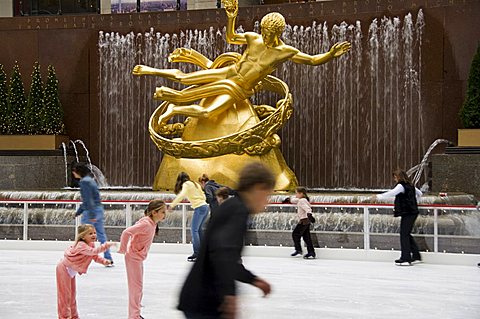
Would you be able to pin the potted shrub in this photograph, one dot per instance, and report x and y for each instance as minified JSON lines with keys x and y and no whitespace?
{"x":470,"y":112}
{"x":33,"y":123}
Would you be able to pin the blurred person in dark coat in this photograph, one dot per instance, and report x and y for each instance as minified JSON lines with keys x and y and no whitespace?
{"x":210,"y":290}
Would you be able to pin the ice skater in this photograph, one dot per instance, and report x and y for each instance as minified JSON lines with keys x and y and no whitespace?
{"x":303,"y":227}
{"x":186,"y":188}
{"x":406,"y":207}
{"x":135,"y":243}
{"x":222,"y":194}
{"x":91,"y":208}
{"x":209,"y":290}
{"x":210,"y":187}
{"x":76,"y":260}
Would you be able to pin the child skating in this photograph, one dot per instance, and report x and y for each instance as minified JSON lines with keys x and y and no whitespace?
{"x":76,"y":260}
{"x":135,"y":243}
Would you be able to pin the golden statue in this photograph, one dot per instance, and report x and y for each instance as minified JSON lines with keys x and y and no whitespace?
{"x":224,"y":130}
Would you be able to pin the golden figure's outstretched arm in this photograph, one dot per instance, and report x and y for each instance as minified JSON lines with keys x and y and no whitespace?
{"x":190,"y":56}
{"x":337,"y":50}
{"x":231,"y":8}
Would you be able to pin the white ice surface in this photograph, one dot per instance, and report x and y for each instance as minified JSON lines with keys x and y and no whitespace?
{"x":301,"y":289}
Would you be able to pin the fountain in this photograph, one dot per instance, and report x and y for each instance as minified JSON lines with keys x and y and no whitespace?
{"x":360,"y":136}
{"x":417,"y":170}
{"x":97,"y":173}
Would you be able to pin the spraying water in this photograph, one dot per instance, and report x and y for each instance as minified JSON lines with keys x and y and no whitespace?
{"x":417,"y":170}
{"x":75,"y":150}
{"x":64,"y":147}
{"x":97,"y":173}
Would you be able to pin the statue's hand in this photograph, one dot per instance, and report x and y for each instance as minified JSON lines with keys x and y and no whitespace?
{"x":178,"y":54}
{"x":340,"y":48}
{"x":231,"y":7}
{"x":138,"y":70}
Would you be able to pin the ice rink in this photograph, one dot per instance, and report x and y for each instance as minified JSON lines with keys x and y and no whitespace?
{"x":301,"y":288}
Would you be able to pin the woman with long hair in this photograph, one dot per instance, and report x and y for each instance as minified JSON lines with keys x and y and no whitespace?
{"x":406,"y":208}
{"x":186,"y":188}
{"x":91,"y":208}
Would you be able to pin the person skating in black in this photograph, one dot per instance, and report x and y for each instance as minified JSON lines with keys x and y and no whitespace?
{"x":405,"y":194}
{"x":209,"y":290}
{"x":210,"y":187}
{"x":303,"y":227}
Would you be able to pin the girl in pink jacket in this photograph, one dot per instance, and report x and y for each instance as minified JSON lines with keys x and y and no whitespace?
{"x":76,"y":260}
{"x":303,"y":227}
{"x":135,"y":244}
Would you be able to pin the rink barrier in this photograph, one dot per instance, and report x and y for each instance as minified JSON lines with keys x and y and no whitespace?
{"x":129,"y":203}
{"x":267,"y":252}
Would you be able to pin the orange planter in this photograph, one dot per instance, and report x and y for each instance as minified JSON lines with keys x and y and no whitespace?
{"x":31,"y":142}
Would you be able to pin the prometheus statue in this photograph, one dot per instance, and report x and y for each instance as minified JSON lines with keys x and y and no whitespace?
{"x":224,"y":130}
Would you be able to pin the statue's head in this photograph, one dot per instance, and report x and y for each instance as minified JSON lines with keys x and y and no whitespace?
{"x":273,"y":25}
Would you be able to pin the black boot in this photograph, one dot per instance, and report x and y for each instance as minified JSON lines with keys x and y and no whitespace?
{"x":192,"y":258}
{"x":296,"y":253}
{"x":309,"y":256}
{"x":401,"y":262}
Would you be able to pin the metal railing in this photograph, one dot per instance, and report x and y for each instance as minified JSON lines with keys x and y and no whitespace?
{"x":130,"y":204}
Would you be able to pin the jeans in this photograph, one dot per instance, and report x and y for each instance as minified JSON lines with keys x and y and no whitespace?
{"x":407,"y":242}
{"x":199,"y":216}
{"x":99,"y":228}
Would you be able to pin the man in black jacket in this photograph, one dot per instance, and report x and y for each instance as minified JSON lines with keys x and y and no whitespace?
{"x":210,"y":291}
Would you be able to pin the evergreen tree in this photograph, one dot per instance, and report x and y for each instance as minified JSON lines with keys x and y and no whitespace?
{"x":470,"y":112}
{"x":35,"y":103}
{"x":17,"y":103}
{"x":3,"y":102}
{"x":52,"y":115}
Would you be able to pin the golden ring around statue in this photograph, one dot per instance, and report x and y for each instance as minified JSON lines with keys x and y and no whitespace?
{"x":256,"y":140}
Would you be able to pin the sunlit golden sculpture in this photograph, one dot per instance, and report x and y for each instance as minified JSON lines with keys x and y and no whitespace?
{"x":224,"y":129}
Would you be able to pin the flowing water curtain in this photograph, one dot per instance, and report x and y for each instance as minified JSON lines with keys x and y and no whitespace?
{"x":360,"y":115}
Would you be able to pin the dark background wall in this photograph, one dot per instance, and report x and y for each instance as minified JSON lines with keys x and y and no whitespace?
{"x":70,"y":44}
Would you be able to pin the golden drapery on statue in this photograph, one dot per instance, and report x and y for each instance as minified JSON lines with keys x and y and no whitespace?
{"x":225,"y":130}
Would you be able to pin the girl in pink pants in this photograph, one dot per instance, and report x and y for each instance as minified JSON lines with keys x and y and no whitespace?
{"x":135,"y":244}
{"x":76,"y":259}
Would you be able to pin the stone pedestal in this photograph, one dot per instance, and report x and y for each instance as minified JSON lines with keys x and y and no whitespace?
{"x":456,"y":173}
{"x":223,"y":169}
{"x":27,"y":170}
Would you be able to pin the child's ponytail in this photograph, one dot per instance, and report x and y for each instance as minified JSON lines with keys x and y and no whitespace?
{"x":153,"y":206}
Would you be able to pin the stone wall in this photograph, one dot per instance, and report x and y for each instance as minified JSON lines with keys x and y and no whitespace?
{"x":28,"y":171}
{"x":456,"y":173}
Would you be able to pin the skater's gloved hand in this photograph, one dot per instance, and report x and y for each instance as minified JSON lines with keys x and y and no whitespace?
{"x":229,"y":307}
{"x":263,"y":286}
